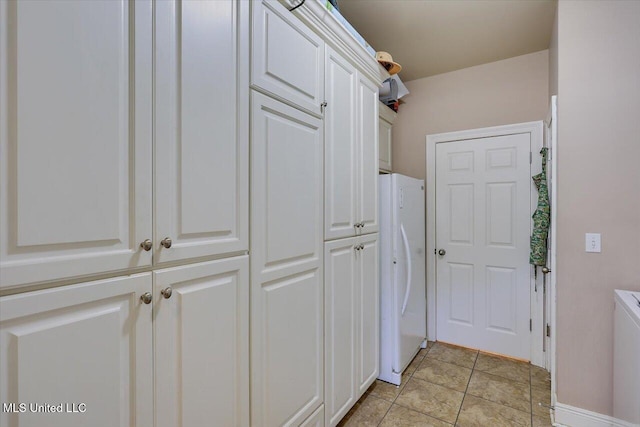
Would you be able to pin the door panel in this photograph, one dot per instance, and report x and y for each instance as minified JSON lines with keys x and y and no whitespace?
{"x":341,"y":314}
{"x":89,"y":343}
{"x":340,"y":147}
{"x":76,"y":139}
{"x":367,"y":296}
{"x":287,"y":337}
{"x":384,"y":146}
{"x":201,"y":198}
{"x":367,"y":119}
{"x":483,"y":214}
{"x":202,"y":344}
{"x":294,"y":72}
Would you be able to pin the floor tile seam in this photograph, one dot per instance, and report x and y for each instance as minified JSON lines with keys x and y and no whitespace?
{"x":440,"y":385}
{"x":455,"y":423}
{"x":538,"y":388}
{"x":423,"y":413}
{"x":386,"y":413}
{"x":498,"y":403}
{"x":502,"y":376}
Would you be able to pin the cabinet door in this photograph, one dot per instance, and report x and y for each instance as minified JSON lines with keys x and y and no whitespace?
{"x":340,"y":147}
{"x":75,"y":138}
{"x":87,"y":347}
{"x":384,"y":146}
{"x":286,"y":56}
{"x":368,"y":332}
{"x":202,"y":344}
{"x":367,"y":135}
{"x":286,"y":264}
{"x":201,"y":128}
{"x":341,"y":317}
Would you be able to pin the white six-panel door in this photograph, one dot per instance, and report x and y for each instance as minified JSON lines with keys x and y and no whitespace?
{"x":201,"y":341}
{"x":75,"y":138}
{"x":483,"y":227}
{"x":286,"y":264}
{"x":201,"y":129}
{"x":88,"y":344}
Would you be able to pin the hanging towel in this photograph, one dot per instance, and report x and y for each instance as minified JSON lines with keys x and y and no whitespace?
{"x":541,"y":217}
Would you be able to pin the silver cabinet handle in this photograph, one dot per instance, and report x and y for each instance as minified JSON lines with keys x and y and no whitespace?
{"x":442,"y":252}
{"x":146,"y":298}
{"x":146,"y":245}
{"x":166,"y":292}
{"x":166,"y":242}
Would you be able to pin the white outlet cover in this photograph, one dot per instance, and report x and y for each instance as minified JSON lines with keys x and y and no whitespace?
{"x":592,"y":242}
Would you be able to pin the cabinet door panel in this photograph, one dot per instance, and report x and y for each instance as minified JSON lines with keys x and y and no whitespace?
{"x":286,"y":153}
{"x":287,"y":343}
{"x":286,"y":263}
{"x":340,"y":147}
{"x":89,"y":343}
{"x":201,"y":198}
{"x":287,"y":56}
{"x":75,"y":138}
{"x":367,"y":295}
{"x":340,"y":328}
{"x":384,"y":146}
{"x":202,"y":344}
{"x":367,"y":102}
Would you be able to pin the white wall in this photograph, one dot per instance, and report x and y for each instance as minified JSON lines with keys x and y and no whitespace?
{"x":510,"y":91}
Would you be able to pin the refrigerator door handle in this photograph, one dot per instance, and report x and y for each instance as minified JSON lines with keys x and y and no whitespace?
{"x":406,"y":248}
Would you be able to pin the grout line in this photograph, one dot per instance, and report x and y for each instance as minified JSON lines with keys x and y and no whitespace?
{"x":467,"y":388}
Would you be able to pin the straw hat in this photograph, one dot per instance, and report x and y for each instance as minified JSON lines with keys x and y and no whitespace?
{"x":386,"y":60}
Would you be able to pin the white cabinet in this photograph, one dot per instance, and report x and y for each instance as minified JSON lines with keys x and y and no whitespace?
{"x":351,"y":322}
{"x":351,"y":150}
{"x":385,"y":124}
{"x":201,"y":332}
{"x":287,"y":58}
{"x":75,"y":138}
{"x":92,"y":343}
{"x":76,"y":142}
{"x":201,"y":129}
{"x":88,"y":344}
{"x":286,"y":263}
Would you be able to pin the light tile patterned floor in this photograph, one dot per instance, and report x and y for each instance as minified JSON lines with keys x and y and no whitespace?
{"x":447,"y":386}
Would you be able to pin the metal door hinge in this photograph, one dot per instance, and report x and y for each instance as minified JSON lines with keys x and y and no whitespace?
{"x":530,"y":157}
{"x":548,"y":330}
{"x":323,"y":106}
{"x":530,"y":325}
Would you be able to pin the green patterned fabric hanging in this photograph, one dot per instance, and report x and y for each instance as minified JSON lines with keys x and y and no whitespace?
{"x":541,"y":217}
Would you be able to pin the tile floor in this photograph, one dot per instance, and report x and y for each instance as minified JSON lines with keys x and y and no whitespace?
{"x":448,"y":386}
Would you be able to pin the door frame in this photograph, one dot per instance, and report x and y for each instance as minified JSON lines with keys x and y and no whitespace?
{"x":551,"y":125}
{"x":535,"y":129}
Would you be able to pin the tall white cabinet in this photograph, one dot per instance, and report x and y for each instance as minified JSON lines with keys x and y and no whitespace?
{"x":124,"y":159}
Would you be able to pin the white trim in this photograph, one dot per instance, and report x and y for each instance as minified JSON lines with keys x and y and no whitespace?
{"x":570,"y":416}
{"x":553,"y":121}
{"x":536,"y":131}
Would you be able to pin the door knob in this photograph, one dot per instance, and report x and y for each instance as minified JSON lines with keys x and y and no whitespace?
{"x":166,"y":292}
{"x":442,"y":252}
{"x":146,"y":298}
{"x":546,"y":270}
{"x":166,"y":242}
{"x":146,"y":245}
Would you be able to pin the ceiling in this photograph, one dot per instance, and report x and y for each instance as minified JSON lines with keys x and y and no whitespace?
{"x":429,"y":37}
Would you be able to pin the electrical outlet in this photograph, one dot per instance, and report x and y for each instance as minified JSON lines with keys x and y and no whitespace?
{"x":592,"y":242}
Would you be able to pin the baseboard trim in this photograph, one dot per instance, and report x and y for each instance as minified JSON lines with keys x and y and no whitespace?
{"x":570,"y":416}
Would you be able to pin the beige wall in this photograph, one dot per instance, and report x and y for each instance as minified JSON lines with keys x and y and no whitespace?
{"x":510,"y":91}
{"x":553,"y":58}
{"x":599,"y":189}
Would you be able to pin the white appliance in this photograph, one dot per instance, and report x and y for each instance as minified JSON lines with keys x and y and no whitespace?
{"x":626,"y":358}
{"x":402,"y":274}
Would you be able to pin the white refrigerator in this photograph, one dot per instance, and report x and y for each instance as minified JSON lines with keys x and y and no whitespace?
{"x":403,"y":308}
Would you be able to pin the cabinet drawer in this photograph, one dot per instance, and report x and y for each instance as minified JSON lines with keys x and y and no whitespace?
{"x":287,"y":57}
